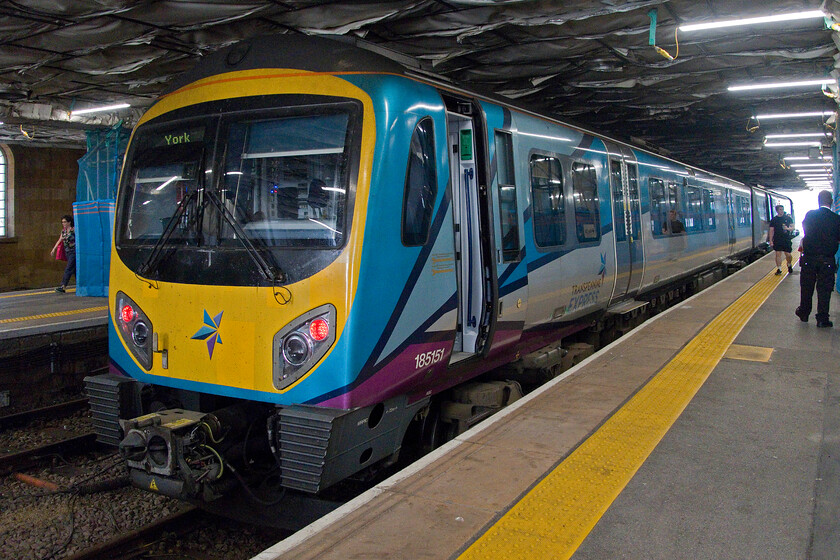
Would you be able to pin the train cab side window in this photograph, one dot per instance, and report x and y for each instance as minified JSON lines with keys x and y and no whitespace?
{"x":694,"y":211}
{"x":548,"y":201}
{"x":587,"y":208}
{"x":506,"y":179}
{"x":709,"y":210}
{"x":420,"y":185}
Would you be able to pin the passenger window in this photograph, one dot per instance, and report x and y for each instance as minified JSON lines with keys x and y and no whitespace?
{"x":508,"y":216}
{"x":420,"y":185}
{"x":665,"y":215}
{"x":587,"y":209}
{"x":548,"y":202}
{"x":694,"y":213}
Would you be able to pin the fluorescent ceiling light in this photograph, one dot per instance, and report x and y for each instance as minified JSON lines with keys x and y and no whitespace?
{"x":801,"y":83}
{"x":798,"y":165}
{"x":794,"y":115}
{"x":175,"y":178}
{"x":789,"y":144}
{"x":798,"y":135}
{"x":791,"y":158}
{"x":99,"y":109}
{"x":753,"y":21}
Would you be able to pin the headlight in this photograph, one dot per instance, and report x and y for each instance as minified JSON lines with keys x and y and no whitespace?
{"x":295,"y":349}
{"x":140,"y":334}
{"x":299,"y":345}
{"x":135,"y":328}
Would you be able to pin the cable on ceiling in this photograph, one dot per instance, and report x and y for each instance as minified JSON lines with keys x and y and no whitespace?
{"x":653,"y":15}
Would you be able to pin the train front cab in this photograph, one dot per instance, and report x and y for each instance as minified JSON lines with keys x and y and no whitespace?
{"x":167,"y":273}
{"x":230,"y":254}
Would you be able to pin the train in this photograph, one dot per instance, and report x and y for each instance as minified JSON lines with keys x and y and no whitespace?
{"x":324,"y":254}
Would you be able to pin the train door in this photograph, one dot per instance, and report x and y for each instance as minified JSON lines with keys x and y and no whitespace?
{"x":511,"y":276}
{"x":627,"y":224}
{"x":468,"y":196}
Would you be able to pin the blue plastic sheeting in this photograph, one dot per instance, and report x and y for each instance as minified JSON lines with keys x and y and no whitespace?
{"x":99,"y":168}
{"x":94,"y":223}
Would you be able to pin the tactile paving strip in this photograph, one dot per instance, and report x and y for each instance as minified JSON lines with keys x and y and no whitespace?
{"x":553,"y":519}
{"x":56,"y":314}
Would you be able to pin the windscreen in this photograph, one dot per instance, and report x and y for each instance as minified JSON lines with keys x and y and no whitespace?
{"x":265,"y":183}
{"x":285,"y":178}
{"x":167,"y":165}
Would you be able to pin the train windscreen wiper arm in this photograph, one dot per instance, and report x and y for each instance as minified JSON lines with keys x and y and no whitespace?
{"x":270,"y":271}
{"x":154,"y":257}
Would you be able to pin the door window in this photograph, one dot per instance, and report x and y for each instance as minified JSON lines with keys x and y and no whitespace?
{"x":508,"y":216}
{"x":587,"y":209}
{"x":420,"y":185}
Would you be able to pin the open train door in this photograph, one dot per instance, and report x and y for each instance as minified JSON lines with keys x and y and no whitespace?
{"x":472,"y":234}
{"x":627,"y":222}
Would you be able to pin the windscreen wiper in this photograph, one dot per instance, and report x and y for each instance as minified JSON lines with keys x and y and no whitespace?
{"x":150,"y":264}
{"x":270,"y":271}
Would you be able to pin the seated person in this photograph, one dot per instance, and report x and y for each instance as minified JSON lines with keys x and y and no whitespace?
{"x":673,"y":226}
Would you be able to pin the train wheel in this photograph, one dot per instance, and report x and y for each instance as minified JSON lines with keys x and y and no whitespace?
{"x":434,"y":429}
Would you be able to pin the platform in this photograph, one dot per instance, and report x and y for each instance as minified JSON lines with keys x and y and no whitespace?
{"x":711,"y":431}
{"x":33,"y":312}
{"x":48,"y":343}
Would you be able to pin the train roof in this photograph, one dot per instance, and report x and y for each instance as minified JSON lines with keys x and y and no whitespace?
{"x":307,"y":52}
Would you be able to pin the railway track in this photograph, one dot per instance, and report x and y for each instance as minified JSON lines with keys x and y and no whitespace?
{"x":29,"y":458}
{"x":33,"y":455}
{"x":136,"y":542}
{"x":28,"y":416}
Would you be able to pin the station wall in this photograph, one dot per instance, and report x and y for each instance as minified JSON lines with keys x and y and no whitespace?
{"x":43,"y":188}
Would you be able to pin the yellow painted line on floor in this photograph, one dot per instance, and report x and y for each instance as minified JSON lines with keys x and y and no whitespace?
{"x":56,"y":314}
{"x":553,"y":518}
{"x":4,"y":296}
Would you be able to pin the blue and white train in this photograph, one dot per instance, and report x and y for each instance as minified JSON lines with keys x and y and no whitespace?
{"x":320,"y":251}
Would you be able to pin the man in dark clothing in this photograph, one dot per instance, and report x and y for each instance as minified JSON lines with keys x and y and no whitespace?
{"x":818,"y":247}
{"x":781,"y":230}
{"x":673,"y":226}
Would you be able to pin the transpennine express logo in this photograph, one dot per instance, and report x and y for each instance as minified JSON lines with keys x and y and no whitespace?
{"x":210,"y":331}
{"x":603,"y":272}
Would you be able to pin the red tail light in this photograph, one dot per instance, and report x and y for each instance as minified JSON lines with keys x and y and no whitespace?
{"x":319,"y":330}
{"x":127,"y":313}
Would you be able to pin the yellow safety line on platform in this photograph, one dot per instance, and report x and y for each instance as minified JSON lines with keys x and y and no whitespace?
{"x":4,"y":296}
{"x":56,"y":314}
{"x":554,"y":517}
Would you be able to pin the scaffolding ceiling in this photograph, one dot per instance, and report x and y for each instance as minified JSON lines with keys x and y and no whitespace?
{"x":589,"y":62}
